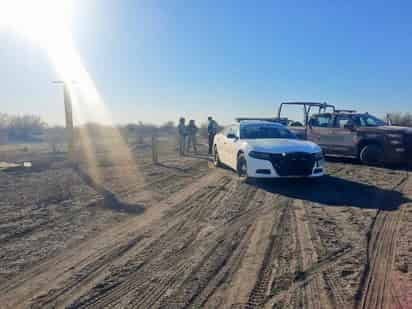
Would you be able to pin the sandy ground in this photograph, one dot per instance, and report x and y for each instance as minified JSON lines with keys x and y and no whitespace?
{"x":185,"y":235}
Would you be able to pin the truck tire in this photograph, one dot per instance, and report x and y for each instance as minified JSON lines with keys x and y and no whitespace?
{"x":371,"y":154}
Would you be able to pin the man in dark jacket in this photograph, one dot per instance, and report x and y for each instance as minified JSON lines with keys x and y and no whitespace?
{"x":211,"y":132}
{"x":191,"y":136}
{"x":182,"y":132}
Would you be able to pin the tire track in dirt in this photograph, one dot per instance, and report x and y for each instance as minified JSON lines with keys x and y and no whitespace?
{"x":155,"y":260}
{"x":54,"y":273}
{"x":312,"y":282}
{"x":375,"y":291}
{"x":325,"y":254}
{"x":314,"y":290}
{"x":87,"y":273}
{"x":147,"y":285}
{"x":194,"y":249}
{"x":169,"y":247}
{"x":260,"y":291}
{"x":234,"y":286}
{"x":202,"y":285}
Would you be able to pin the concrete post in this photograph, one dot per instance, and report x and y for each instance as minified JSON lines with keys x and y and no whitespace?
{"x":69,"y":124}
{"x":155,"y":157}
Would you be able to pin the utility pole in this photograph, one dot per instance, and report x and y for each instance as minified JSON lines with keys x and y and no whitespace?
{"x":69,"y":120}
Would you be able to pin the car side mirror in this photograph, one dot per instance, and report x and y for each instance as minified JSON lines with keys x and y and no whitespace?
{"x":231,"y":136}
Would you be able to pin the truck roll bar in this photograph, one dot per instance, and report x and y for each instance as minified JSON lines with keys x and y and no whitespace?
{"x":307,"y":106}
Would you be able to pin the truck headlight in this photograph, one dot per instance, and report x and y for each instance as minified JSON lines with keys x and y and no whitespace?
{"x":259,"y":155}
{"x":393,"y":135}
{"x":319,"y":156}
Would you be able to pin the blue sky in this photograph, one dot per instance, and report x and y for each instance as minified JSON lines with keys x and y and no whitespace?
{"x":156,"y":60}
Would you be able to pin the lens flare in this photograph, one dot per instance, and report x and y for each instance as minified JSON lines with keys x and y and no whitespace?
{"x":47,"y":22}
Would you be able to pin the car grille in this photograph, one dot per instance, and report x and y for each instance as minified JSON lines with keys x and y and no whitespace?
{"x":293,"y":163}
{"x":408,"y":146}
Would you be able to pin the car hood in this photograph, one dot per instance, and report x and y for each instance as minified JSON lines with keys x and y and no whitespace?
{"x":387,"y":129}
{"x":277,"y":145}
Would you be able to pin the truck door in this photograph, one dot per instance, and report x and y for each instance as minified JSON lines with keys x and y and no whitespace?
{"x":319,"y":129}
{"x":343,"y":136}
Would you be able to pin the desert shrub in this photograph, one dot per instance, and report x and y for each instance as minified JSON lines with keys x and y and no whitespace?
{"x":55,"y":136}
{"x":4,"y":121}
{"x":168,"y":128}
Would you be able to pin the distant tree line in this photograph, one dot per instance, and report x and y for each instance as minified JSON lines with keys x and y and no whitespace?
{"x":31,"y":128}
{"x":25,"y":128}
{"x":400,"y":119}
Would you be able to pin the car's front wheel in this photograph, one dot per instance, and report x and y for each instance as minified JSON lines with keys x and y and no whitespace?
{"x":216,"y":158}
{"x":242,"y":167}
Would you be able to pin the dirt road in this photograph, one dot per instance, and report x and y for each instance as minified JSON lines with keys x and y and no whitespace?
{"x":203,"y":239}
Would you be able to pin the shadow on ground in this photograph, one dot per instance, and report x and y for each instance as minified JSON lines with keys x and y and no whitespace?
{"x":174,"y":167}
{"x":334,"y":191}
{"x":110,"y":200}
{"x":356,"y":162}
{"x":200,"y":156}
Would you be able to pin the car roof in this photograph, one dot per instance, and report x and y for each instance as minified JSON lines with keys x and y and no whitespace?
{"x":260,"y":122}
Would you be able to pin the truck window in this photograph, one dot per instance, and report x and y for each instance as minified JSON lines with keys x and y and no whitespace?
{"x":322,"y":121}
{"x":368,"y":121}
{"x":341,"y":121}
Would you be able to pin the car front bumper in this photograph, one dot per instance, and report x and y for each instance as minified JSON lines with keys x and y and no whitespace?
{"x":259,"y":168}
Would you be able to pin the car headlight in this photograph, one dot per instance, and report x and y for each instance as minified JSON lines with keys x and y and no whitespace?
{"x":259,"y":155}
{"x":319,"y":156}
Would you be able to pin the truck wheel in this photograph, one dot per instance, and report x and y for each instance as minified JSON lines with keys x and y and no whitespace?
{"x":242,"y":167}
{"x":371,"y":154}
{"x":216,"y":158}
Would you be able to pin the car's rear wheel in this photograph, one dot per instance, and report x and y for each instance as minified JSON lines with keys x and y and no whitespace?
{"x":371,"y":154}
{"x":216,"y":158}
{"x":242,"y":167}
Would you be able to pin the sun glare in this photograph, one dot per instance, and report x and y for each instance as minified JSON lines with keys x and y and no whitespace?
{"x":47,"y":22}
{"x":40,"y":19}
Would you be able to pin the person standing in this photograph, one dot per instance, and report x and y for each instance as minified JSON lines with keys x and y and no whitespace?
{"x":182,"y":131}
{"x":191,"y":132}
{"x":211,"y":132}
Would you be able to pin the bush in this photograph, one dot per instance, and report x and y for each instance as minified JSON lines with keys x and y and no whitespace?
{"x":55,"y":136}
{"x":22,"y":128}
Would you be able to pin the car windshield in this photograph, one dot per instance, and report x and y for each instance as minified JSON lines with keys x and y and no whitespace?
{"x":367,"y":121}
{"x":264,"y":131}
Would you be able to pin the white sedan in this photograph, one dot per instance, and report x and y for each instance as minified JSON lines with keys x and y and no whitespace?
{"x":263,"y":149}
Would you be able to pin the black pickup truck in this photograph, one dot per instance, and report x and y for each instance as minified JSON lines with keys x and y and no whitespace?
{"x":347,"y":133}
